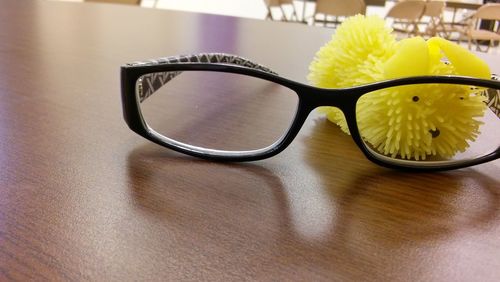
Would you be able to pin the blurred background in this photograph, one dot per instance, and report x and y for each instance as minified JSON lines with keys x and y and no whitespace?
{"x":472,"y":23}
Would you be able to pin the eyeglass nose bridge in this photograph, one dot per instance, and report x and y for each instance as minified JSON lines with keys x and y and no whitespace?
{"x":342,"y":98}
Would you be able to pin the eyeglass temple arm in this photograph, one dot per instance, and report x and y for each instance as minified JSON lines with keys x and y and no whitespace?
{"x":493,"y":98}
{"x":150,"y":83}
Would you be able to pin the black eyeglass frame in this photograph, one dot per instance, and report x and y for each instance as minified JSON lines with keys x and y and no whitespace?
{"x":309,"y":97}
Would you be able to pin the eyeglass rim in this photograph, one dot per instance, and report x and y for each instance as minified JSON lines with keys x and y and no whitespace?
{"x":309,"y":98}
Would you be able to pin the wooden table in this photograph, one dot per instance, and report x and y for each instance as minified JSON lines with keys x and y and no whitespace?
{"x":84,"y":198}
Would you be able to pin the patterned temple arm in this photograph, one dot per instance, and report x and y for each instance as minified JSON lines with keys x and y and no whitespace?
{"x":150,"y":83}
{"x":493,"y":98}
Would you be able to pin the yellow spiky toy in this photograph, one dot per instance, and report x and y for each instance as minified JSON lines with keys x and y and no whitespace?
{"x":410,"y":122}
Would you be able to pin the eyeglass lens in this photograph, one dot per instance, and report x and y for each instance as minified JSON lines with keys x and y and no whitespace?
{"x":216,"y":110}
{"x":428,"y":123}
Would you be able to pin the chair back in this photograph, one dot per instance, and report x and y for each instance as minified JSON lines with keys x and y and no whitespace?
{"x":407,"y":10}
{"x":484,"y":26}
{"x":434,"y":9}
{"x":490,"y":11}
{"x":340,"y":7}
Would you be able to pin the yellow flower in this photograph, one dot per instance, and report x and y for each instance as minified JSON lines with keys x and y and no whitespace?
{"x":410,"y":122}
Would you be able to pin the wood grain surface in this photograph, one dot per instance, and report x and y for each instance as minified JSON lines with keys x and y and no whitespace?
{"x":84,"y":198}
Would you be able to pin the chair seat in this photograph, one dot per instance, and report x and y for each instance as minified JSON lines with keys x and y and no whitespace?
{"x":481,"y":34}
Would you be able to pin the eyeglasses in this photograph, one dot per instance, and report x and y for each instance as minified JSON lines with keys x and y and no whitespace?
{"x":227,"y":108}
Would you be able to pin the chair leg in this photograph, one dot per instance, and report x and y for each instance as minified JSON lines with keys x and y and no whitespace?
{"x":490,"y":45}
{"x":269,"y":14}
{"x":284,"y":14}
{"x":409,"y":29}
{"x":478,"y":46}
{"x":415,"y":31}
{"x":294,"y":13}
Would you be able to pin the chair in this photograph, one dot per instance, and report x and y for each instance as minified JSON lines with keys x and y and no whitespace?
{"x":491,"y":13}
{"x":130,"y":2}
{"x":336,"y":9}
{"x":407,"y":14}
{"x":434,"y":11}
{"x":279,"y":4}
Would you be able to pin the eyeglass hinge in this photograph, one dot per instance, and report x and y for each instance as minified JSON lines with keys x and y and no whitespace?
{"x":139,"y":88}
